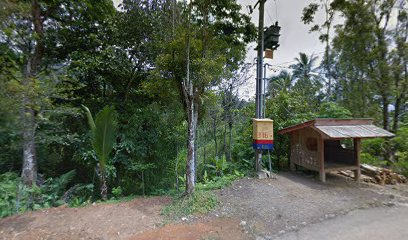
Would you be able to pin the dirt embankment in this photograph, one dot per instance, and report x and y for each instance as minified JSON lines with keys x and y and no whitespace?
{"x":100,"y":221}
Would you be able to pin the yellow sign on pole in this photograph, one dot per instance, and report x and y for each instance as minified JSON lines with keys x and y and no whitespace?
{"x":262,"y":133}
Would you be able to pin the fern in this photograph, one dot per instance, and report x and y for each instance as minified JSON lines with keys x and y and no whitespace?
{"x":62,"y":181}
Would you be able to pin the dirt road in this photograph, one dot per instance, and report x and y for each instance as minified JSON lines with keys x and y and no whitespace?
{"x":271,"y":207}
{"x":294,"y":206}
{"x":378,"y":223}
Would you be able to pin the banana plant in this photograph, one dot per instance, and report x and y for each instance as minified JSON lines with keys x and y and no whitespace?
{"x":103,"y":131}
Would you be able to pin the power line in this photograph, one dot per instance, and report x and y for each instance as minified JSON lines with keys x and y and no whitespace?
{"x":276,"y":10}
{"x":276,"y":13}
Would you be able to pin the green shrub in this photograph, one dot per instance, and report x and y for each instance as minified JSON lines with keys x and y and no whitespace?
{"x":401,"y":165}
{"x":219,"y":182}
{"x":374,"y":147}
{"x":80,"y":195}
{"x":117,"y":192}
{"x":17,"y":198}
{"x":372,"y":151}
{"x":401,"y":150}
{"x":372,"y":160}
{"x":400,"y":140}
{"x":218,"y":166}
{"x":8,"y":192}
{"x":50,"y":194}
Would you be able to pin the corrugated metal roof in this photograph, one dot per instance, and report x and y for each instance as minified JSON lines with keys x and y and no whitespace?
{"x":354,"y":131}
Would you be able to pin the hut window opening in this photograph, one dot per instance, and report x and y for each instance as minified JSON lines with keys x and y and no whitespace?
{"x":347,"y":144}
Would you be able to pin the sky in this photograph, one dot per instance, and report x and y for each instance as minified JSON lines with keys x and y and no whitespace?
{"x":295,"y":36}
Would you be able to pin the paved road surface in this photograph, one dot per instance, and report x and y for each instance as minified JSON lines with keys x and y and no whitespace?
{"x":377,"y":223}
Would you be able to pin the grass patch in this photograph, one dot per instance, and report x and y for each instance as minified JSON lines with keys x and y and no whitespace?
{"x":120,"y":199}
{"x":76,"y":203}
{"x":200,"y":202}
{"x":218,"y":182}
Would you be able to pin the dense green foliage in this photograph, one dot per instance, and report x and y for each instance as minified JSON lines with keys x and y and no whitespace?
{"x":16,"y":198}
{"x":134,"y":59}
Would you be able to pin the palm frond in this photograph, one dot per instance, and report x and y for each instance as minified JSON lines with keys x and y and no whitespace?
{"x":90,"y":118}
{"x":105,"y":134}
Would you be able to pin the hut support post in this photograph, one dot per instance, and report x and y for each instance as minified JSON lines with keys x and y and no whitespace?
{"x":320,"y":149}
{"x":290,"y":157}
{"x":357,"y":172}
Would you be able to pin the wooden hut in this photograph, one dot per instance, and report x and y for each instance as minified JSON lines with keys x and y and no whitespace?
{"x":320,"y":144}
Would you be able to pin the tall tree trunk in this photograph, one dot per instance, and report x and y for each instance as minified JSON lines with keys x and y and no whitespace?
{"x":190,"y":167}
{"x":396,"y":114}
{"x":329,"y":18}
{"x":229,"y":158}
{"x":29,"y":169}
{"x":329,"y":82}
{"x":204,"y":151}
{"x":401,"y":86}
{"x":385,"y":112}
{"x":192,"y":115}
{"x":196,"y":153}
{"x":388,"y":155}
{"x":225,"y":139}
{"x":215,"y":137}
{"x":104,"y":186}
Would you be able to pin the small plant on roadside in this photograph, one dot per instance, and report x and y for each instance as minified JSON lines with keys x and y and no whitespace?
{"x":218,"y":166}
{"x":117,"y":192}
{"x":200,"y":202}
{"x":80,"y":195}
{"x":54,"y":188}
{"x":219,"y":182}
{"x":402,"y":165}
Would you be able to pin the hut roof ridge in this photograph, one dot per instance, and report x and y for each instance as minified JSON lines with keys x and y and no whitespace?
{"x":341,"y":128}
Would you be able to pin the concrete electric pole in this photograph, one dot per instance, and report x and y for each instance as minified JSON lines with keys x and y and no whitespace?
{"x":267,"y":38}
{"x":259,"y":76}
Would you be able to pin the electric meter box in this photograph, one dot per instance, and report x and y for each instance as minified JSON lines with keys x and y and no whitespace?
{"x":262,"y":133}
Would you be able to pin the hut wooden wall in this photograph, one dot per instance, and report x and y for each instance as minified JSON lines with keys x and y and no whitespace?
{"x":300,"y":153}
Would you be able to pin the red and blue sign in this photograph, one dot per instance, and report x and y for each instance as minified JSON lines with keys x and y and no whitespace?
{"x":262,"y":144}
{"x":262,"y":134}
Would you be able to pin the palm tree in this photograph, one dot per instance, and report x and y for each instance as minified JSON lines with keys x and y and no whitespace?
{"x":281,"y":82}
{"x":103,"y":138}
{"x":304,"y":66}
{"x":307,"y":84}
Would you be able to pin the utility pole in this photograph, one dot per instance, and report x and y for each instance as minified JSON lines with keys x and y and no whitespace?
{"x":259,"y":77}
{"x":267,"y":38}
